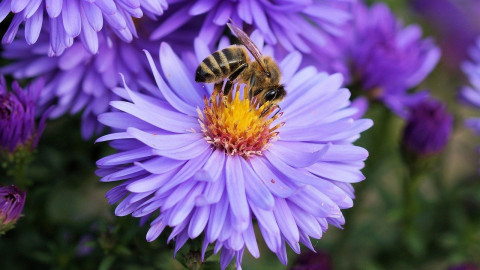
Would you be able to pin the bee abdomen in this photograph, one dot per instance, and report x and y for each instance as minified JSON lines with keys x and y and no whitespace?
{"x":220,"y":64}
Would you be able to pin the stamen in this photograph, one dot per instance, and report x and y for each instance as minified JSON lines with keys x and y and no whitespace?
{"x":238,"y":126}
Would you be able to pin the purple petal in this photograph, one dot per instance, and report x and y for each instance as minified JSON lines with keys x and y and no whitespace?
{"x":286,"y":221}
{"x":169,"y":95}
{"x":171,"y":24}
{"x":107,"y":6}
{"x":53,"y":7}
{"x":72,"y":21}
{"x":93,"y":14}
{"x":271,"y":180}
{"x":251,"y":241}
{"x":4,"y":9}
{"x":212,"y":168}
{"x":236,"y":192}
{"x":257,"y":193}
{"x":176,"y":75}
{"x":217,"y":219}
{"x":33,"y":27}
{"x":12,"y":29}
{"x":32,"y":8}
{"x":202,"y":6}
{"x":198,"y":221}
{"x":125,"y":157}
{"x":18,"y":5}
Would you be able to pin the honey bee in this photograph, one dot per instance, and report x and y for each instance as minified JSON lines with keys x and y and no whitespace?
{"x":233,"y":63}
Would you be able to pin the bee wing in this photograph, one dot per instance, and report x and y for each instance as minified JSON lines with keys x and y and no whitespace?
{"x":248,"y":43}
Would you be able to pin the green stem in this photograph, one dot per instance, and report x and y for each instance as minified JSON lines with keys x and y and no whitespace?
{"x":410,"y":186}
{"x":410,"y":205}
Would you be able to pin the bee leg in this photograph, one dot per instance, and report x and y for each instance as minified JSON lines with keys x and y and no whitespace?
{"x":250,"y":91}
{"x":218,"y":87}
{"x":268,"y":109}
{"x":232,"y":78}
{"x":279,"y":109}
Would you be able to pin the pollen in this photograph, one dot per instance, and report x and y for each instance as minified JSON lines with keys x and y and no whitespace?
{"x":238,"y":126}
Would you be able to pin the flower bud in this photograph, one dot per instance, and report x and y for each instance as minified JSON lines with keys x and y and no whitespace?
{"x":12,"y":201}
{"x":428,"y":129}
{"x":17,"y":117}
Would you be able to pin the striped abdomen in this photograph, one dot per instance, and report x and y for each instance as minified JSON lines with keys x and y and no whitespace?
{"x":220,"y":64}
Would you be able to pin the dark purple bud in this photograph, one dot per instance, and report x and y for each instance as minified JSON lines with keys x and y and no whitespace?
{"x":464,"y":266}
{"x":12,"y":201}
{"x":313,"y":261}
{"x":428,"y":129}
{"x":17,"y":116}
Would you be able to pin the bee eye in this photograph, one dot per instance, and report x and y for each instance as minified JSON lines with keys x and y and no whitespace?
{"x":270,"y":95}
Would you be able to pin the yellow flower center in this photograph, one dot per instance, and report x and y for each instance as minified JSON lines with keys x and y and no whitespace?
{"x":239,"y":126}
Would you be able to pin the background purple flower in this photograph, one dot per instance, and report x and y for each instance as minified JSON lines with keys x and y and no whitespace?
{"x":381,"y":57}
{"x":294,"y":25}
{"x":294,"y":189}
{"x":12,"y":201}
{"x":17,"y":116}
{"x":78,"y":80}
{"x":68,"y":19}
{"x":471,"y":94}
{"x":456,"y":23}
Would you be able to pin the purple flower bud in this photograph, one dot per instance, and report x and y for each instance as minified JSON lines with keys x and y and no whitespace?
{"x":313,"y":261}
{"x":17,"y":116}
{"x":428,"y":128}
{"x":464,"y":266}
{"x":11,"y":206}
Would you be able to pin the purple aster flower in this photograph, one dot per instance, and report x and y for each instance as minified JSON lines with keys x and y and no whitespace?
{"x":456,"y":23}
{"x":381,"y":56}
{"x":12,"y":201}
{"x":69,"y":19}
{"x":78,"y":80}
{"x":295,"y":25}
{"x":17,"y":116}
{"x":428,"y":128}
{"x":200,"y":162}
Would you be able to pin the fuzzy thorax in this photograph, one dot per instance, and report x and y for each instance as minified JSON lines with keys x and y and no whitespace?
{"x":239,"y":126}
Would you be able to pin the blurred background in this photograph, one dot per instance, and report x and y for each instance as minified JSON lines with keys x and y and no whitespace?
{"x":68,"y":224}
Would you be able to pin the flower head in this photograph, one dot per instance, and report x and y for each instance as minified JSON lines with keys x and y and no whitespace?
{"x":222,"y":128}
{"x":17,"y":117}
{"x":295,"y":25}
{"x":12,"y":201}
{"x":215,"y":165}
{"x":66,"y":20}
{"x":382,"y":57}
{"x":428,"y":129}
